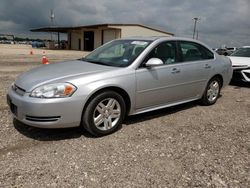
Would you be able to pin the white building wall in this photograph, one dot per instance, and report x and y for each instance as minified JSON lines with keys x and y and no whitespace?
{"x":75,"y":36}
{"x":135,"y":31}
{"x":110,"y":34}
{"x":97,"y":38}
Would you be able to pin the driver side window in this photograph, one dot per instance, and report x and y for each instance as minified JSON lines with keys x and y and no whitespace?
{"x":165,"y":51}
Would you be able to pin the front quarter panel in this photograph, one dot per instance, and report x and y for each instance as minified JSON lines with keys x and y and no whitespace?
{"x":123,"y":79}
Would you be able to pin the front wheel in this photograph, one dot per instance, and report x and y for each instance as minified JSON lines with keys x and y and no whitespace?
{"x":104,"y":113}
{"x":212,"y":92}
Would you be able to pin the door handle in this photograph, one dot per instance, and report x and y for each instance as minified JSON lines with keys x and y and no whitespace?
{"x":175,"y":70}
{"x":207,"y":66}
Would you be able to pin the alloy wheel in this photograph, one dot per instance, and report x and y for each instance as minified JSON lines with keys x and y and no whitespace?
{"x":106,"y":114}
{"x":213,"y":91}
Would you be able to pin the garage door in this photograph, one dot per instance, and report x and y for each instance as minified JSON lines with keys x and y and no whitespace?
{"x":109,"y":35}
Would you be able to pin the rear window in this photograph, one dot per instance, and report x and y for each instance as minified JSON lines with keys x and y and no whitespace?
{"x":191,"y":51}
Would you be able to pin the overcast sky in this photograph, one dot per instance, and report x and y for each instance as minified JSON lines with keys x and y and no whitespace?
{"x":221,"y":21}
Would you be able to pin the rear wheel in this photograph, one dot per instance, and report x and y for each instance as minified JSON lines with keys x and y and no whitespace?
{"x":104,"y":113}
{"x":212,"y":92}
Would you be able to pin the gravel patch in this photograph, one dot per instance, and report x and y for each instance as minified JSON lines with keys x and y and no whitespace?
{"x":184,"y":146}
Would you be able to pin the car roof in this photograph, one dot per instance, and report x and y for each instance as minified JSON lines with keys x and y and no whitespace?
{"x":142,"y":38}
{"x":161,"y":38}
{"x":154,"y":38}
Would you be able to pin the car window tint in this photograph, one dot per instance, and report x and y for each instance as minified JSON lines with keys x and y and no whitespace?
{"x":242,"y":52}
{"x":206,"y":53}
{"x":191,"y":51}
{"x":165,"y":52}
{"x":113,"y":52}
{"x":119,"y":53}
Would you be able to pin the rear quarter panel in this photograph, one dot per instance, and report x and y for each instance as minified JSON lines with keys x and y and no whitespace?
{"x":223,"y":67}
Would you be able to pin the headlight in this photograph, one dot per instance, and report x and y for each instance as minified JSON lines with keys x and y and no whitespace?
{"x":57,"y":90}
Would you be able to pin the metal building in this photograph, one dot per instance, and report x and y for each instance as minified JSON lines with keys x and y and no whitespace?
{"x":89,"y":37}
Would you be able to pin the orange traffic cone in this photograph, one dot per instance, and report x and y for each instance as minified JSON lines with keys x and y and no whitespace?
{"x":31,"y":52}
{"x":44,"y":59}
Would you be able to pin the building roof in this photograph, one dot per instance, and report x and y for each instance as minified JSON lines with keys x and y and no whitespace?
{"x":66,"y":29}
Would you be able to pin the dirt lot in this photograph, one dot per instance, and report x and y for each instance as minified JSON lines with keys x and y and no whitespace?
{"x":184,"y":146}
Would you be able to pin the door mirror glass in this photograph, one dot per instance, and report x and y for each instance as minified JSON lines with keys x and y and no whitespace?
{"x":154,"y":62}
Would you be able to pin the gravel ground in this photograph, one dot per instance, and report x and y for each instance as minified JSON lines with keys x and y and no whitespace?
{"x":183,"y":146}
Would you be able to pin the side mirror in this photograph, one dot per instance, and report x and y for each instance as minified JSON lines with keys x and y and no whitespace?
{"x":154,"y":62}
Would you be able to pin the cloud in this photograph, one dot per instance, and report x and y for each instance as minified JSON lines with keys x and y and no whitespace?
{"x":221,"y":21}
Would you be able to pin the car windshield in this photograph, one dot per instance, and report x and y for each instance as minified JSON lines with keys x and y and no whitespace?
{"x":118,"y":53}
{"x":242,"y":52}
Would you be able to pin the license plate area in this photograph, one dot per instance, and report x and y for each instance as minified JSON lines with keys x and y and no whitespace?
{"x":13,"y":107}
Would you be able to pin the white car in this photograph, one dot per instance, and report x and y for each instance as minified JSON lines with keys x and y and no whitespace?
{"x":231,"y":50}
{"x":241,"y":64}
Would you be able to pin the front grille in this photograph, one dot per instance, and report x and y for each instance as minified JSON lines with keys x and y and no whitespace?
{"x":237,"y":75}
{"x":42,"y":118}
{"x":247,"y":74}
{"x":18,"y":90}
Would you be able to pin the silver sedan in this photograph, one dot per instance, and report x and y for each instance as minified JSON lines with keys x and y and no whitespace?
{"x":122,"y":77}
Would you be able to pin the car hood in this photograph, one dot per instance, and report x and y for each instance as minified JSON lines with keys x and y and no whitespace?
{"x":57,"y":71}
{"x":240,"y":61}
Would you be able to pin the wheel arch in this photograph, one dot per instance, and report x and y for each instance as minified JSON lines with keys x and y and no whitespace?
{"x":116,"y":89}
{"x":204,"y":100}
{"x":220,"y":77}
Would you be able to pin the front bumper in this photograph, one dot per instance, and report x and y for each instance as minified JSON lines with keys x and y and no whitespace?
{"x":46,"y":113}
{"x":241,"y":75}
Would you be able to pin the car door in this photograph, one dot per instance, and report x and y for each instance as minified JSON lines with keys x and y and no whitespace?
{"x":176,"y":81}
{"x":196,"y":64}
{"x":158,"y":85}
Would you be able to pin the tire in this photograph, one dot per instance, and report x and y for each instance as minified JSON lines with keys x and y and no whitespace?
{"x":104,"y":113}
{"x":212,"y":92}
